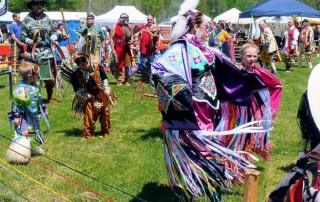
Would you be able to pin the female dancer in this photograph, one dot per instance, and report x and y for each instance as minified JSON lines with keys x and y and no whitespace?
{"x":214,"y":115}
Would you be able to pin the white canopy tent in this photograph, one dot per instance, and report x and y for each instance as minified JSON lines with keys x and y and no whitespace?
{"x":56,"y":15}
{"x":175,"y":18}
{"x":6,"y":18}
{"x":111,"y":17}
{"x":277,"y":24}
{"x":312,"y":21}
{"x":232,"y":16}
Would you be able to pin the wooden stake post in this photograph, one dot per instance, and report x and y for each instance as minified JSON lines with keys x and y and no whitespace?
{"x":251,"y":186}
{"x":15,"y":58}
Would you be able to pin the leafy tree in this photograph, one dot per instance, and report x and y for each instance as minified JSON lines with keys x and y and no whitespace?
{"x":52,"y":5}
{"x":161,"y":9}
{"x":18,"y":6}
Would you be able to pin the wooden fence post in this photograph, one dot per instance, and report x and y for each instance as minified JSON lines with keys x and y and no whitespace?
{"x":15,"y":58}
{"x":251,"y":186}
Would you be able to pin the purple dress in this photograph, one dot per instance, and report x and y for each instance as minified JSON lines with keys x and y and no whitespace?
{"x":213,"y":116}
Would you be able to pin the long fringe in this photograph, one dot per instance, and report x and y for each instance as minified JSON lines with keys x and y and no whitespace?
{"x":19,"y":150}
{"x":200,"y":161}
{"x":78,"y":108}
{"x":248,"y":140}
{"x":196,"y":164}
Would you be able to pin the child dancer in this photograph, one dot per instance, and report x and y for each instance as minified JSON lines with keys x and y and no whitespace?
{"x":27,"y":107}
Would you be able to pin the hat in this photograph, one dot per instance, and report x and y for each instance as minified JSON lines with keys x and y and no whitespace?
{"x":35,"y":1}
{"x":124,"y":16}
{"x":305,"y":20}
{"x":314,"y":95}
{"x":60,"y":23}
{"x":90,"y":16}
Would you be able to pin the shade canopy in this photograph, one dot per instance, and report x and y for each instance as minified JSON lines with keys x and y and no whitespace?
{"x":280,"y":8}
{"x":56,"y":15}
{"x":232,"y":16}
{"x":175,"y":18}
{"x":6,"y":18}
{"x":111,"y":17}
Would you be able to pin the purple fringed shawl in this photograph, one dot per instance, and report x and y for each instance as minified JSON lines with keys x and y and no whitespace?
{"x":214,"y":116}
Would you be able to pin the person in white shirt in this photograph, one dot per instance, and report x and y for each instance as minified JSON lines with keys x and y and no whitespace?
{"x":306,"y":43}
{"x":290,"y":47}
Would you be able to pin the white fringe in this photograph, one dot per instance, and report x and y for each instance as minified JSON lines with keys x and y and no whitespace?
{"x":22,"y":147}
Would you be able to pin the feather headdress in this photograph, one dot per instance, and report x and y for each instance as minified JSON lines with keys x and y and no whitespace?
{"x":181,"y":27}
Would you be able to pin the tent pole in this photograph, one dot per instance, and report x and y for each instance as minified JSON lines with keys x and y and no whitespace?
{"x":88,"y":6}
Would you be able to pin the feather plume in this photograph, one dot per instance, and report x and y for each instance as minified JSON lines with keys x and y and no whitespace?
{"x":188,"y":5}
{"x":19,"y":151}
{"x":180,"y":27}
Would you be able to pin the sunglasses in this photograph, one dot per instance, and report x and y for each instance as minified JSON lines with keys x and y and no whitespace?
{"x":91,"y":18}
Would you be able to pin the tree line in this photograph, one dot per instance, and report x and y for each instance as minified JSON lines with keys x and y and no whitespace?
{"x":161,"y":9}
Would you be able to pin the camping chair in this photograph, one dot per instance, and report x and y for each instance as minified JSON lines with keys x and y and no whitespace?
{"x":5,"y":63}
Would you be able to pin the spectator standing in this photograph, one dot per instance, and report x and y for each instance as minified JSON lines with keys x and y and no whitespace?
{"x":225,"y":42}
{"x":15,"y":32}
{"x":55,"y":24}
{"x":121,"y":38}
{"x":148,"y":37}
{"x":268,"y":44}
{"x":290,"y":46}
{"x":306,"y":43}
{"x":213,"y":33}
{"x":93,"y":32}
{"x":62,"y":31}
{"x":4,"y":33}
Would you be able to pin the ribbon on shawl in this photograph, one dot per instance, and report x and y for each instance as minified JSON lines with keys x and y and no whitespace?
{"x":201,"y":160}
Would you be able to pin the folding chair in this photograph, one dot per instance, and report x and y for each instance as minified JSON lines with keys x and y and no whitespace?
{"x":5,"y":63}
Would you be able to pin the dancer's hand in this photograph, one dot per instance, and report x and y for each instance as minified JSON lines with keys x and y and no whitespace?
{"x":112,"y":98}
{"x":25,"y":133}
{"x":16,"y":121}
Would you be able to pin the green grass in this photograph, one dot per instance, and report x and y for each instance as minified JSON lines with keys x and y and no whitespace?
{"x":131,"y":158}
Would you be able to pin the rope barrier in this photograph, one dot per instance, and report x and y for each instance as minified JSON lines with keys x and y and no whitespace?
{"x":9,"y":194}
{"x":30,"y":178}
{"x":16,"y":192}
{"x":25,"y":181}
{"x":63,"y":176}
{"x":79,"y":172}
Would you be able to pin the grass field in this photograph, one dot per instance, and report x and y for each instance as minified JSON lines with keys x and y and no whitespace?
{"x":130,"y":162}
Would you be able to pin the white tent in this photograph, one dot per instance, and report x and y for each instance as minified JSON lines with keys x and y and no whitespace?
{"x":312,"y":21}
{"x":175,"y":18}
{"x":232,"y":16}
{"x":56,"y":15}
{"x":275,"y":19}
{"x":276,"y":23}
{"x":111,"y":17}
{"x":6,"y":18}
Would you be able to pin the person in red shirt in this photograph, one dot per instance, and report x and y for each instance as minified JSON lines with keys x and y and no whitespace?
{"x":148,"y":37}
{"x":121,"y":39}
